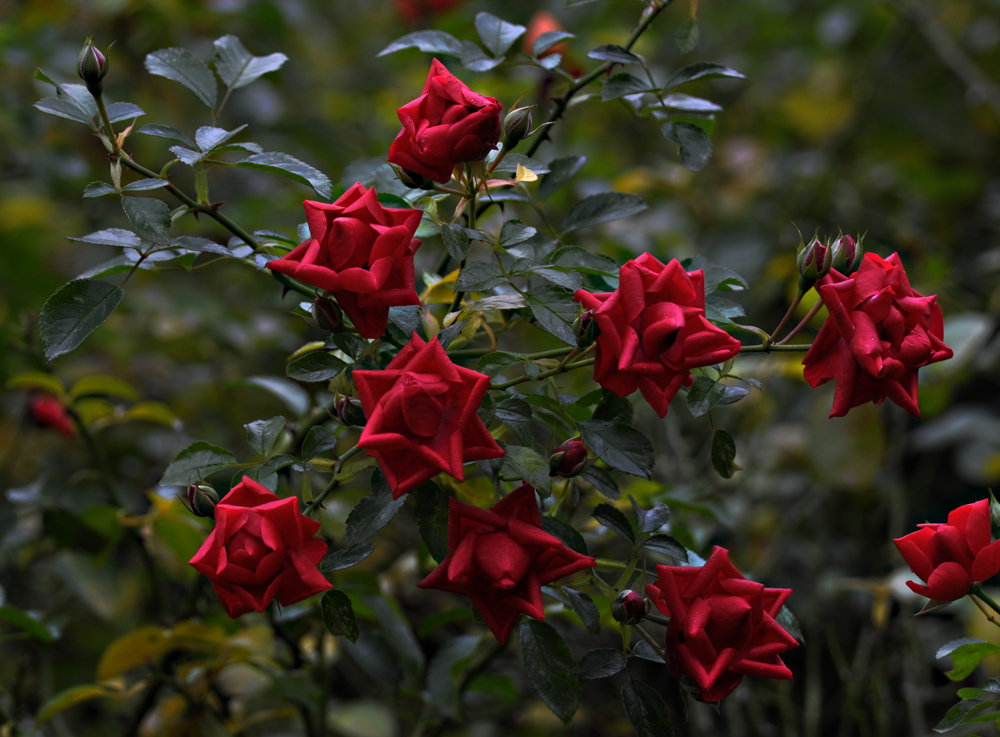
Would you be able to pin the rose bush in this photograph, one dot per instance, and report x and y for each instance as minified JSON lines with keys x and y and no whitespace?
{"x":261,"y":548}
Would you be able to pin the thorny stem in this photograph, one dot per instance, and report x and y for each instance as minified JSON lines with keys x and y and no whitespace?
{"x":470,"y":185}
{"x":476,"y":352}
{"x":805,"y":321}
{"x":977,"y":594}
{"x":334,"y":482}
{"x":544,"y":374}
{"x":652,"y":643}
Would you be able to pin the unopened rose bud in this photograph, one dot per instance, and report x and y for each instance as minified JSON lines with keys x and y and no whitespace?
{"x":411,"y":179}
{"x":586,"y":330}
{"x":629,"y":607}
{"x":327,"y":314}
{"x":92,"y":66}
{"x":814,"y":262}
{"x":349,"y":411}
{"x":202,"y":500}
{"x":994,"y":514}
{"x":568,"y":460}
{"x":516,"y":126}
{"x":845,"y":254}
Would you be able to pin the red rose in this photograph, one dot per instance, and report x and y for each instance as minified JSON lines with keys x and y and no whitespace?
{"x":951,"y":557}
{"x":262,"y":547}
{"x":446,"y":125}
{"x":422,"y":420}
{"x":653,"y":331}
{"x":722,"y":627}
{"x":48,"y":411}
{"x":568,"y":460}
{"x":880,"y":331}
{"x":500,"y":558}
{"x":362,"y":253}
{"x":416,"y":10}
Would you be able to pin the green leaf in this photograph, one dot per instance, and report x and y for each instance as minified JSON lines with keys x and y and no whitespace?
{"x":666,"y":545}
{"x":373,"y":512}
{"x":614,"y":520}
{"x":613,"y":409}
{"x":568,"y":534}
{"x":512,"y":410}
{"x":514,"y":231}
{"x":294,"y":396}
{"x":601,"y":208}
{"x":98,"y":189}
{"x":431,"y":42}
{"x":237,"y":67}
{"x":620,"y":446}
{"x":168,"y":132}
{"x":399,"y":636}
{"x":962,"y":712}
{"x":27,"y":623}
{"x":348,"y":557}
{"x":71,"y":107}
{"x":646,"y":710}
{"x":77,"y":695}
{"x":291,"y":168}
{"x":199,"y":245}
{"x":261,"y":434}
{"x":554,"y":309}
{"x":315,"y":366}
{"x":496,"y":34}
{"x":119,"y":111}
{"x":687,"y":36}
{"x":494,"y":302}
{"x":601,"y":480}
{"x":699,"y":70}
{"x":318,"y":440}
{"x":614,"y":53}
{"x":560,"y":172}
{"x":791,"y":625}
{"x":512,"y":161}
{"x":144,"y":185}
{"x":74,"y":312}
{"x":196,"y":462}
{"x":547,"y":40}
{"x":208,"y":137}
{"x":992,"y":689}
{"x":36,"y":380}
{"x":696,"y":146}
{"x":585,"y":608}
{"x":479,"y":276}
{"x":102,"y":386}
{"x":338,"y":615}
{"x":182,"y":66}
{"x":456,"y":240}
{"x":690,"y":104}
{"x":704,"y":394}
{"x":649,"y":520}
{"x":724,"y":454}
{"x":446,"y":671}
{"x":529,"y":465}
{"x":584,"y":261}
{"x":566,"y":279}
{"x":965,"y":655}
{"x":434,"y":533}
{"x":549,"y":666}
{"x":600,"y":663}
{"x":150,"y":217}
{"x":426,"y":498}
{"x":623,"y":84}
{"x":496,"y":362}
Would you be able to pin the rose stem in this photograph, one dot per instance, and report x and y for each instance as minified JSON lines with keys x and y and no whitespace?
{"x":544,"y":374}
{"x":976,"y":592}
{"x":334,"y":482}
{"x":652,"y":643}
{"x":788,"y":314}
{"x":805,"y":321}
{"x":774,"y":347}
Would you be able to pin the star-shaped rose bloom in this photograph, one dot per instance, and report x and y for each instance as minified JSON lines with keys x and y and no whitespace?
{"x":421,"y":412}
{"x":501,"y":557}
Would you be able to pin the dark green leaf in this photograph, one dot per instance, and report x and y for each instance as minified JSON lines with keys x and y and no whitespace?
{"x":560,"y":172}
{"x":494,"y":363}
{"x":74,"y":312}
{"x":601,"y":480}
{"x":144,"y":185}
{"x":476,"y":59}
{"x":650,"y":520}
{"x":704,"y":394}
{"x":513,"y":409}
{"x":613,"y":408}
{"x":288,"y":166}
{"x":209,"y":138}
{"x":97,"y":189}
{"x":733,"y":394}
{"x":667,"y":546}
{"x":446,"y":670}
{"x":525,"y":463}
{"x":965,"y":655}
{"x":479,"y":276}
{"x":431,"y":42}
{"x":568,"y":534}
{"x":168,"y":132}
{"x":294,"y":396}
{"x":601,"y":208}
{"x":318,"y":440}
{"x":791,"y":625}
{"x":614,"y":53}
{"x":992,"y":689}
{"x":646,"y":710}
{"x":451,"y":332}
{"x":699,"y":70}
{"x":119,"y":111}
{"x":696,"y":146}
{"x":426,"y":498}
{"x":373,"y":512}
{"x":547,"y":40}
{"x":399,"y":635}
{"x":237,"y":67}
{"x":275,"y":464}
{"x":456,"y":240}
{"x":583,"y":261}
{"x":199,"y":245}
{"x":315,"y":366}
{"x":196,"y":462}
{"x":643,"y":650}
{"x":687,"y":36}
{"x":27,"y":623}
{"x":261,"y":434}
{"x":623,"y":84}
{"x":566,"y":279}
{"x":549,"y":666}
{"x":150,"y":217}
{"x":614,"y":520}
{"x":72,"y":102}
{"x":585,"y":609}
{"x":182,"y":66}
{"x":690,"y":104}
{"x":554,"y":309}
{"x":338,"y":615}
{"x":117,"y":237}
{"x":186,"y":155}
{"x":496,"y":34}
{"x":599,"y":663}
{"x":620,"y":446}
{"x":487,"y":411}
{"x":724,"y":454}
{"x":511,"y":161}
{"x":434,"y":533}
{"x":514,"y":231}
{"x":961,"y":713}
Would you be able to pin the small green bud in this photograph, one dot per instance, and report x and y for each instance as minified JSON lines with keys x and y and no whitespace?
{"x":202,"y":500}
{"x":411,"y":179}
{"x":586,"y":329}
{"x":327,"y":314}
{"x":92,"y":66}
{"x":350,"y":412}
{"x":814,"y":262}
{"x":516,"y":126}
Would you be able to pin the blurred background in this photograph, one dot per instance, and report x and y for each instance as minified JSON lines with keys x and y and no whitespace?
{"x":875,"y":117}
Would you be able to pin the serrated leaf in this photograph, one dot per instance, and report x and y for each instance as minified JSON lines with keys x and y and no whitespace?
{"x":699,"y":70}
{"x":554,"y":309}
{"x":373,"y":512}
{"x":614,"y":520}
{"x":690,"y":104}
{"x":477,"y":60}
{"x":513,"y":232}
{"x":497,"y":34}
{"x":445,"y":673}
{"x":790,"y":624}
{"x":966,"y":653}
{"x":584,"y":607}
{"x":495,"y":363}
{"x":456,"y":240}
{"x":237,"y":67}
{"x":434,"y":533}
{"x":704,"y":394}
{"x":182,"y":66}
{"x":733,"y":394}
{"x":197,"y":461}
{"x":150,"y":217}
{"x":513,"y":409}
{"x":646,"y":711}
{"x":623,"y":84}
{"x":687,"y":36}
{"x":338,"y":615}
{"x":601,"y":480}
{"x":315,"y":366}
{"x":620,"y":446}
{"x":208,"y":137}
{"x":68,"y":108}
{"x":512,"y":161}
{"x":494,"y":302}
{"x":262,"y":434}
{"x":525,"y":463}
{"x":289,"y":167}
{"x":168,"y":132}
{"x":549,"y":667}
{"x":601,"y":208}
{"x":696,"y":146}
{"x":614,"y":53}
{"x":962,"y":712}
{"x":568,"y":534}
{"x":199,"y":245}
{"x":75,"y":311}
{"x":186,"y":155}
{"x":547,"y":40}
{"x":584,"y":261}
{"x":479,"y":276}
{"x":318,"y":440}
{"x":560,"y":172}
{"x":119,"y":111}
{"x":724,"y":454}
{"x":600,"y":663}
{"x":98,"y":189}
{"x":399,"y":636}
{"x":650,"y":520}
{"x":347,"y":558}
{"x":666,"y":545}
{"x":406,"y":318}
{"x":430,"y":42}
{"x":144,"y":185}
{"x":645,"y":651}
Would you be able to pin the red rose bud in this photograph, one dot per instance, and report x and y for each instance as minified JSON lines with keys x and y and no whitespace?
{"x":814,"y":261}
{"x":202,"y":500}
{"x":629,"y":607}
{"x":516,"y":126}
{"x":847,"y":254}
{"x":568,"y":460}
{"x":48,"y":411}
{"x":349,"y":412}
{"x":411,"y":179}
{"x":586,"y":329}
{"x":327,"y":315}
{"x":92,"y":66}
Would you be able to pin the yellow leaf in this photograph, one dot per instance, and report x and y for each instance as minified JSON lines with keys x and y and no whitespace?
{"x":103,"y":385}
{"x":37,"y":380}
{"x":139,"y":647}
{"x":442,"y":292}
{"x":525,"y":175}
{"x":156,"y":412}
{"x":78,"y":694}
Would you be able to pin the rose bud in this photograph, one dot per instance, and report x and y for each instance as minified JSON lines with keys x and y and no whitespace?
{"x":349,"y":412}
{"x":814,"y":262}
{"x":327,"y":314}
{"x":629,"y":607}
{"x":411,"y":179}
{"x":48,"y":411}
{"x":202,"y":500}
{"x":92,"y":66}
{"x":516,"y":126}
{"x":586,"y":329}
{"x":847,"y":254}
{"x":568,"y":460}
